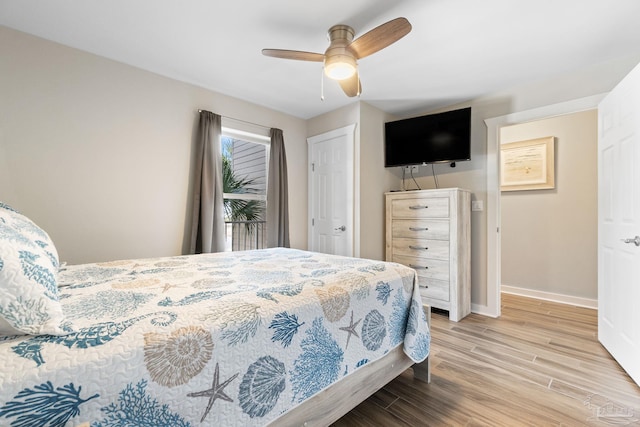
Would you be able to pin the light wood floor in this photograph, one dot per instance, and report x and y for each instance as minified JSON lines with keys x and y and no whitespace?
{"x":539,"y":364}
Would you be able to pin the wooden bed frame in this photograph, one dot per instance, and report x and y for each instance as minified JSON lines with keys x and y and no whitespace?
{"x":338,"y":399}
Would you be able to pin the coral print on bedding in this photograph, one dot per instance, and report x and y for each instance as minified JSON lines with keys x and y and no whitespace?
{"x":207,"y":340}
{"x":29,"y":301}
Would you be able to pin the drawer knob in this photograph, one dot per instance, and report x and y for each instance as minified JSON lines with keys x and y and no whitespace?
{"x":418,"y":267}
{"x":414,"y":207}
{"x":423,"y":248}
{"x":419,"y":228}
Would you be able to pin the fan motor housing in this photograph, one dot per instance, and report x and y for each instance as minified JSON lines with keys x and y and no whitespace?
{"x":340,"y":60}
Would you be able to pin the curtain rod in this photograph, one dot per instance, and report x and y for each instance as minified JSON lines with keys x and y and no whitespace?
{"x":242,"y":121}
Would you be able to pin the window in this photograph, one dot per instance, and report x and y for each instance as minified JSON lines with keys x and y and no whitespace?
{"x":244,"y":170}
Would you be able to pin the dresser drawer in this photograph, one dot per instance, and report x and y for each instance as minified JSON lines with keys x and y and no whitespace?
{"x":435,"y":249}
{"x":435,"y":289}
{"x":421,"y":229}
{"x":425,"y":267}
{"x":439,"y":220}
{"x":433,"y":207}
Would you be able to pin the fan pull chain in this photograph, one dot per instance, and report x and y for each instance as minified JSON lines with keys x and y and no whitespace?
{"x":322,"y":85}
{"x":358,"y":79}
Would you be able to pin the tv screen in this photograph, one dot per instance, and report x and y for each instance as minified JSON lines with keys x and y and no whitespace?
{"x":434,"y":138}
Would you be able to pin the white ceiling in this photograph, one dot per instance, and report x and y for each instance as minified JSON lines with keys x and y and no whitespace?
{"x":458,"y":49}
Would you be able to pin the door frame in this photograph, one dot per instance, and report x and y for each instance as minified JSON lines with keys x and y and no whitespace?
{"x":353,"y":223}
{"x":494,"y":251}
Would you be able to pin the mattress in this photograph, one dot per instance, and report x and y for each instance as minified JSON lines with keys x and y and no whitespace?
{"x":234,"y":338}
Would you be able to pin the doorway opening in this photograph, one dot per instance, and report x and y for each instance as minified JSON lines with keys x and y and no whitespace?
{"x":494,"y":125}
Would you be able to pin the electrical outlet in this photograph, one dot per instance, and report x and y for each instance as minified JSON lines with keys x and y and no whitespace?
{"x":412,"y":168}
{"x":477,"y":205}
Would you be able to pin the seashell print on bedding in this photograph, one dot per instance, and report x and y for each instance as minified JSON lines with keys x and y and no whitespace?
{"x":109,"y":303}
{"x":170,"y":263}
{"x":314,"y":265}
{"x":373,"y":330}
{"x":356,"y":283}
{"x":139,"y":283}
{"x":266,"y":277}
{"x":91,"y":274}
{"x":118,"y":263}
{"x":173,"y":359}
{"x":230,"y":344}
{"x":211,"y":283}
{"x":373,"y":268}
{"x":334,"y":301}
{"x":261,"y":386}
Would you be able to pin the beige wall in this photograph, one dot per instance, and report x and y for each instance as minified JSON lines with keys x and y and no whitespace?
{"x":375,"y":180}
{"x":549,"y":237}
{"x":472,"y":175}
{"x":98,"y":153}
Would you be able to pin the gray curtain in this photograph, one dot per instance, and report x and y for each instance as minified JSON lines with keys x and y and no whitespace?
{"x":207,"y":224}
{"x":277,"y":195}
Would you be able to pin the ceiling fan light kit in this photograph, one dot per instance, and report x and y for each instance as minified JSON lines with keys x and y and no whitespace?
{"x":340,"y":67}
{"x":340,"y":61}
{"x":341,"y":57}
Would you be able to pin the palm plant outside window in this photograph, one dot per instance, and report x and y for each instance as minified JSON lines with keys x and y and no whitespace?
{"x":244,"y":173}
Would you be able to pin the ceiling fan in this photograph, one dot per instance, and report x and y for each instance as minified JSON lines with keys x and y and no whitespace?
{"x":341,"y":57}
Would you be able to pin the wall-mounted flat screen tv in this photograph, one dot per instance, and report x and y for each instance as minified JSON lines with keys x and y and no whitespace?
{"x":434,"y":138}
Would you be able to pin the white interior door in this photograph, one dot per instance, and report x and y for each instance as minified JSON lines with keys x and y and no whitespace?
{"x":619,"y":223}
{"x":331,"y":175}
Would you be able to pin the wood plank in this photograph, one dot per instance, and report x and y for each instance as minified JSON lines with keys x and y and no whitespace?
{"x":539,"y":364}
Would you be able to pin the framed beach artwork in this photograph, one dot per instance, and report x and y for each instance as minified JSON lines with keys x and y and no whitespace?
{"x":527,"y":165}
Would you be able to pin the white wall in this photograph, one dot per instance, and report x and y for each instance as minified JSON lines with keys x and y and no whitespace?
{"x":549,"y":237}
{"x":98,"y":153}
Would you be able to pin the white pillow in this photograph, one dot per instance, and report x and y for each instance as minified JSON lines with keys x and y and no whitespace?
{"x":29,"y":301}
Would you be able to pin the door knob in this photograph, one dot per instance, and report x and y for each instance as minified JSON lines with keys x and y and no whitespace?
{"x":635,"y":240}
{"x":343,"y":228}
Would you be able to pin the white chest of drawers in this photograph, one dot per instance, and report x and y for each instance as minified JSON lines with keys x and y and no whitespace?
{"x":430,"y":231}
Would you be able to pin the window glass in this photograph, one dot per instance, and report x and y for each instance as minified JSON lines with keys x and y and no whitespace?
{"x":244,"y":170}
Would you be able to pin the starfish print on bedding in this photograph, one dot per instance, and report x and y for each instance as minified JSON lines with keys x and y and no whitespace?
{"x":215,"y":392}
{"x":351,"y":329}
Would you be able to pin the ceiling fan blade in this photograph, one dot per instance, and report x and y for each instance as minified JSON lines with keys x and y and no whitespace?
{"x":294,"y":54}
{"x":351,"y":86}
{"x":380,"y":37}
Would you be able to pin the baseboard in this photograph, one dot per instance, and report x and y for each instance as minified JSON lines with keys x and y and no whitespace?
{"x":482,"y":310}
{"x":550,"y":296}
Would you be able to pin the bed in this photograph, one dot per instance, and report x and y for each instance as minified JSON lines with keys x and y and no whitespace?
{"x":274,"y":336}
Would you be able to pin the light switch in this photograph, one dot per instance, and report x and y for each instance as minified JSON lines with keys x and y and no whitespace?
{"x":477,"y":205}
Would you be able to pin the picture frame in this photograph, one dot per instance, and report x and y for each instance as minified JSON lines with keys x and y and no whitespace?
{"x":528,"y":165}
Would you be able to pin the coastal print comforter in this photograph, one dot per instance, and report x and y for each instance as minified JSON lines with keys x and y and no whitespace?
{"x":225,"y":339}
